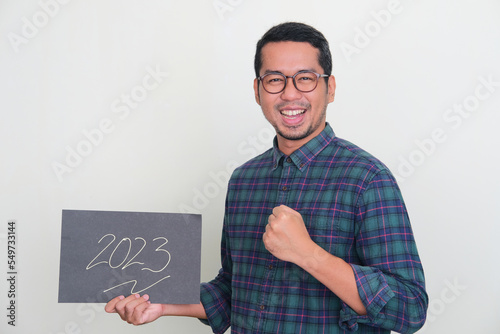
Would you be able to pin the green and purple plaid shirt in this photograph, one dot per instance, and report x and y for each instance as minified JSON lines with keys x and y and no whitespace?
{"x":352,"y":207}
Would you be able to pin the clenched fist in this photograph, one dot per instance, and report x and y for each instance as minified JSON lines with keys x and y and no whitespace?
{"x":286,"y":236}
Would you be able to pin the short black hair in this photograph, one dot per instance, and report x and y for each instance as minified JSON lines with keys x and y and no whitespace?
{"x":296,"y":32}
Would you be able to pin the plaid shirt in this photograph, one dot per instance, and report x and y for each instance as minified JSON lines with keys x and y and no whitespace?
{"x":352,"y":208}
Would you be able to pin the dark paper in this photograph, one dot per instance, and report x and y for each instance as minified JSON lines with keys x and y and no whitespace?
{"x":106,"y":254}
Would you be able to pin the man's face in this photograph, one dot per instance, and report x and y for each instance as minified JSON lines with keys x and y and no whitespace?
{"x":296,"y":116}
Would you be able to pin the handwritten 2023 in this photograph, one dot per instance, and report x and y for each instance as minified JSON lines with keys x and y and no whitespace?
{"x":113,"y":263}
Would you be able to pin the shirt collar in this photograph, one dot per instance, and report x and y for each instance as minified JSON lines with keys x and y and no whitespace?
{"x":305,"y":154}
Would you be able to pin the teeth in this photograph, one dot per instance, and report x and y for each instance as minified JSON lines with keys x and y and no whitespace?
{"x":292,"y":112}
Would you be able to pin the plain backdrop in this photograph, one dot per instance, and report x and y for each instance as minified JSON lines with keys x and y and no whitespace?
{"x":148,"y":106}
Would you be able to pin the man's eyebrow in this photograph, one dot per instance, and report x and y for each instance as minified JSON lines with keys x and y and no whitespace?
{"x":272,"y":71}
{"x":276,"y":71}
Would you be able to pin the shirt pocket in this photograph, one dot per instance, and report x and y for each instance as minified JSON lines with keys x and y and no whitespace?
{"x":334,"y":232}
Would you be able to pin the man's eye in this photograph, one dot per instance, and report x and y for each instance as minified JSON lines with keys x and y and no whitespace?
{"x":275,"y":80}
{"x":306,"y":79}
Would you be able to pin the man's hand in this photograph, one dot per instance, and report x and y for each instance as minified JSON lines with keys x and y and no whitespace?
{"x":139,"y":310}
{"x":135,"y":309}
{"x":286,"y":236}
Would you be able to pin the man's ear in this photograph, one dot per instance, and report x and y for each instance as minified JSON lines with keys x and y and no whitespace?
{"x":331,"y":88}
{"x":256,"y":90}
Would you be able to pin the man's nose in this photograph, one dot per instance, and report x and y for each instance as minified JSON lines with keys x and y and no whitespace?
{"x":290,"y":92}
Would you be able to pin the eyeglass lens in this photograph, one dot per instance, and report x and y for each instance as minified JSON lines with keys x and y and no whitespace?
{"x":303,"y":81}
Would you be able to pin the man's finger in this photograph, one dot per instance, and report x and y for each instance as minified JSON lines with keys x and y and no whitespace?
{"x":282,"y":209}
{"x":110,"y":306}
{"x":120,"y":306}
{"x":130,"y":307}
{"x":138,"y":317}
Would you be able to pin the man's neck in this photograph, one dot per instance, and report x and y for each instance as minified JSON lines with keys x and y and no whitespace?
{"x":288,"y":146}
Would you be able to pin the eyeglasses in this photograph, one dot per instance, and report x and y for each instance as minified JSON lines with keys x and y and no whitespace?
{"x":304,"y":81}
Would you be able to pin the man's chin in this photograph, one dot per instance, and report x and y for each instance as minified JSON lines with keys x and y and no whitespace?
{"x":293,"y":135}
{"x":299,"y":132}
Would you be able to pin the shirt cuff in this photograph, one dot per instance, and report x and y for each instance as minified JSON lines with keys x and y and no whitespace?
{"x":218,"y":314}
{"x":374,"y":293}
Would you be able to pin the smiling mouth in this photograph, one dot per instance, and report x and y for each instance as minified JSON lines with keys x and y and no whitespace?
{"x":291,"y":114}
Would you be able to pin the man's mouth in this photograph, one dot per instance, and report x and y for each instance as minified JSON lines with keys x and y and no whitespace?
{"x":292,"y":113}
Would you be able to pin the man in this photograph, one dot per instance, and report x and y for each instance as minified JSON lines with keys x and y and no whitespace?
{"x":316,"y":237}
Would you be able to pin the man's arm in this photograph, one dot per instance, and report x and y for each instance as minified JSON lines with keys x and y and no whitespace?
{"x":388,"y":280}
{"x":286,"y":238}
{"x":138,"y":310}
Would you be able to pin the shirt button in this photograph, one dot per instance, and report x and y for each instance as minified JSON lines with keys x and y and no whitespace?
{"x":284,"y":188}
{"x":289,"y":160}
{"x":262,"y":307}
{"x":270,"y":267}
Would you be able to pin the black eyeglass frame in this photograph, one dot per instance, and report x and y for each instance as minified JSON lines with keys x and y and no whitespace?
{"x":293,"y":80}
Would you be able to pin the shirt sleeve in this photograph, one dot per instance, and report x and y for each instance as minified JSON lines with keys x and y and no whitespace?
{"x":390,"y":277}
{"x":216,"y":294}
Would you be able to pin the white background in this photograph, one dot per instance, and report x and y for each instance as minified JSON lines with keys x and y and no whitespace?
{"x":401,"y":79}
